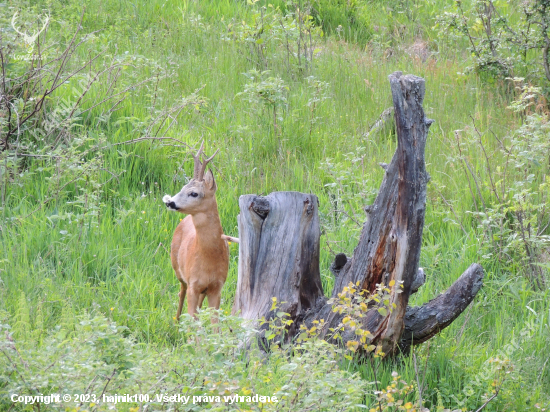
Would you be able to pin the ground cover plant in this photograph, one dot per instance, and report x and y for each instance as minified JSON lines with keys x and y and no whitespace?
{"x":97,"y":126}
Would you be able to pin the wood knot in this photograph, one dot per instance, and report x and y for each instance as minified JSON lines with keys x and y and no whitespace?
{"x":340,"y":261}
{"x":260,"y":206}
{"x":308,"y":206}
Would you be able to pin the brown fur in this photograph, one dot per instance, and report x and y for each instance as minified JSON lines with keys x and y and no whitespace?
{"x":199,"y":254}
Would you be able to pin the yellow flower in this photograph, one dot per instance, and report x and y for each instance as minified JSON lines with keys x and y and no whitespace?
{"x":352,"y":345}
{"x":112,"y":309}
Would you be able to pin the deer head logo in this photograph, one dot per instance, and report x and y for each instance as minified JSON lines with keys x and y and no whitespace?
{"x":29,"y":40}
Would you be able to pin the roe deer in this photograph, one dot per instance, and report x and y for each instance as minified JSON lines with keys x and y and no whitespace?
{"x":199,"y":252}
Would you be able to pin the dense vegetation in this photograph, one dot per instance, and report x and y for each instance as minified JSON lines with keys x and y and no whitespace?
{"x":289,"y":93}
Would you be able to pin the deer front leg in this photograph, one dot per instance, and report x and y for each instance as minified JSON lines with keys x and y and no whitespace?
{"x":183,"y":292}
{"x":214,"y":298}
{"x":201,"y":300}
{"x":193,"y":296}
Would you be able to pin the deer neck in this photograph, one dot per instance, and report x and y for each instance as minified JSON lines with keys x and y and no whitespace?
{"x":208,"y":227}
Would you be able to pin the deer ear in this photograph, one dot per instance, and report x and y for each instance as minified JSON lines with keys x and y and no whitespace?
{"x":209,"y":180}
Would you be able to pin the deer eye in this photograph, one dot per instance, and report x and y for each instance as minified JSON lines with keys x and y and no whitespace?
{"x":193,"y":194}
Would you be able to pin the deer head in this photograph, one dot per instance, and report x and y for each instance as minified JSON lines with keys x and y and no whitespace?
{"x":29,"y":40}
{"x":197,"y":195}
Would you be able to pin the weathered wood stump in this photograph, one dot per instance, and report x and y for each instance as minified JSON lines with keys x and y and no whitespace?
{"x":279,"y":249}
{"x":278,"y":254}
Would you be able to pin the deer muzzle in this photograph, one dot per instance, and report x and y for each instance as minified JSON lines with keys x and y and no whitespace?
{"x":170,"y":204}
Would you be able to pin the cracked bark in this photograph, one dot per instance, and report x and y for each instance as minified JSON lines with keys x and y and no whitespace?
{"x":279,"y":249}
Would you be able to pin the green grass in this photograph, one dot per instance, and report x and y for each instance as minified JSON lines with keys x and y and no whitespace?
{"x":122,"y":267}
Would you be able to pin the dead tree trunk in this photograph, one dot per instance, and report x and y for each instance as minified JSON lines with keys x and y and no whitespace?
{"x":278,"y":254}
{"x":279,"y":249}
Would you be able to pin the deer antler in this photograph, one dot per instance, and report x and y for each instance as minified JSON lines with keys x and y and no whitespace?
{"x":203,"y":165}
{"x":197,"y":159}
{"x":200,"y":167}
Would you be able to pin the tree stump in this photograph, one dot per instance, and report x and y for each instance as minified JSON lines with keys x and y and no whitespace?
{"x":279,"y":246}
{"x":278,"y":254}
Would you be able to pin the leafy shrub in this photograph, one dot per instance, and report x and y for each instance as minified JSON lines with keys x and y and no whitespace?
{"x":51,"y":94}
{"x":93,"y":356}
{"x":513,"y":191}
{"x":288,"y":35}
{"x":267,"y":91}
{"x":505,"y":39}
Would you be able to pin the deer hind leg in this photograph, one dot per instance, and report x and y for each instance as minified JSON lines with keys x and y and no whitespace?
{"x":183,"y":292}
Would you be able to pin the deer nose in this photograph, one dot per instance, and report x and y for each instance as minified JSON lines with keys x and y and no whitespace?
{"x":171,"y":205}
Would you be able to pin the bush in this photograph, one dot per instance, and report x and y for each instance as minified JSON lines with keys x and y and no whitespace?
{"x":513,"y":190}
{"x":504,"y":40}
{"x":92,"y":356}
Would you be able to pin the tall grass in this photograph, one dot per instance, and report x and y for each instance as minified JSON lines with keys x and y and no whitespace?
{"x":122,"y":266}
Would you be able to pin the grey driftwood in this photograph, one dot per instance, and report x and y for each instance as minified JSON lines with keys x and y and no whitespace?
{"x":279,"y":246}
